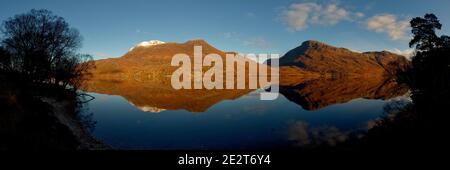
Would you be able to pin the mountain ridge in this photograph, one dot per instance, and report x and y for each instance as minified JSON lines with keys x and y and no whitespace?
{"x":153,"y":62}
{"x":322,"y":58}
{"x":311,"y":59}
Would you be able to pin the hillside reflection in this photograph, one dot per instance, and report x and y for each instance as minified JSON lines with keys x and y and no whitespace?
{"x":158,"y":95}
{"x":320,"y":93}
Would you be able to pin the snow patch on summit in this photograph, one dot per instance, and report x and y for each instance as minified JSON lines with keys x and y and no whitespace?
{"x":147,"y":44}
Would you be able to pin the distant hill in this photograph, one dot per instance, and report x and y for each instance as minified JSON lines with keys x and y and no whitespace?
{"x":315,"y":56}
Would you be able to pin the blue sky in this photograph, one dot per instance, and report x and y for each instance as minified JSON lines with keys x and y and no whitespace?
{"x":110,"y":28}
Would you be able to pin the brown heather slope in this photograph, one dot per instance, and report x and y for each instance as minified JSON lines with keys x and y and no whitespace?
{"x":321,"y":58}
{"x":149,"y":62}
{"x":154,"y":62}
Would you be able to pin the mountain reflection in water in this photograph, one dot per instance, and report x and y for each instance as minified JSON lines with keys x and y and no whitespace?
{"x":319,"y":93}
{"x":159,"y":95}
{"x":331,"y":111}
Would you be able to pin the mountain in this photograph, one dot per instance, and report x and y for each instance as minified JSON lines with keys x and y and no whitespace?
{"x":149,"y":61}
{"x":148,"y":58}
{"x":315,"y":56}
{"x":152,"y":59}
{"x":157,"y":50}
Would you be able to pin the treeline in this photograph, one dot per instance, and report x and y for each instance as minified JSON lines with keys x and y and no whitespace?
{"x":40,"y":48}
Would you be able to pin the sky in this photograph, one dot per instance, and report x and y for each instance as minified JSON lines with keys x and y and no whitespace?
{"x":110,"y":27}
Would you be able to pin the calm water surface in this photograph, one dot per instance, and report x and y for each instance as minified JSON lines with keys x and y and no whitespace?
{"x":243,"y":123}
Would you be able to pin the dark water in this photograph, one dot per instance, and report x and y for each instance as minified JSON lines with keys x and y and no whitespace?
{"x":244,"y":122}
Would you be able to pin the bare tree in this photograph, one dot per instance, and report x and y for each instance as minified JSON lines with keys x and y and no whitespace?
{"x":43,"y":48}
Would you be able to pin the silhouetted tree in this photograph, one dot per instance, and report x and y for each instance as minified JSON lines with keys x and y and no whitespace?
{"x":42,"y":48}
{"x":431,"y":63}
{"x":423,"y":30}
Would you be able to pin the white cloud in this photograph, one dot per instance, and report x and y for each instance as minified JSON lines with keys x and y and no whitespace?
{"x":408,"y":53}
{"x":299,"y":15}
{"x":229,"y":35}
{"x":303,"y":134}
{"x":250,"y":14}
{"x":258,"y":42}
{"x":359,"y":14}
{"x":388,"y":23}
{"x":139,"y":31}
